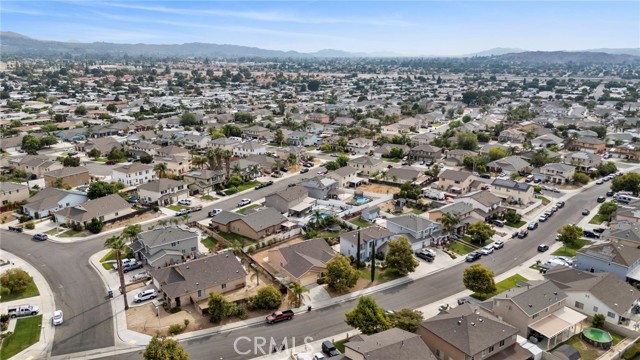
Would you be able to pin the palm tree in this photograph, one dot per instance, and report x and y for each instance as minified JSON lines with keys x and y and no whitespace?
{"x":185,"y":218}
{"x":116,"y":244}
{"x":131,"y":232}
{"x":253,"y":170}
{"x":297,"y":293}
{"x":219,"y":155}
{"x":211,"y":159}
{"x":237,"y":170}
{"x":199,"y":162}
{"x":227,"y":161}
{"x":293,"y":159}
{"x":449,"y":222}
{"x":161,"y":169}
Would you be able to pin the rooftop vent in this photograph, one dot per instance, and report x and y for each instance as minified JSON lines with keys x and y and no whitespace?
{"x":459,"y":322}
{"x":530,"y":305}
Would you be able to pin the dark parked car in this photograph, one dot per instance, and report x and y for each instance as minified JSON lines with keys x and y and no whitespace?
{"x":473,"y":256}
{"x":133,"y":199}
{"x":543,"y":247}
{"x":601,"y":199}
{"x":110,"y":162}
{"x":485,"y":176}
{"x":523,"y":234}
{"x":220,"y":193}
{"x":292,"y":185}
{"x":610,"y":193}
{"x":426,"y":254}
{"x":304,"y":171}
{"x":590,"y":234}
{"x":585,"y":212}
{"x":15,"y":228}
{"x":599,"y":230}
{"x":560,"y":204}
{"x":514,"y":235}
{"x":329,"y":349}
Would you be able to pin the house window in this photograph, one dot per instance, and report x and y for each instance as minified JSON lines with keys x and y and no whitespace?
{"x":5,"y":202}
{"x":173,"y":244}
{"x":501,"y":343}
{"x":595,"y":309}
{"x":491,"y":348}
{"x":534,"y":316}
{"x":194,"y":248}
{"x":116,"y":214}
{"x":224,"y":286}
{"x":579,"y":305}
{"x":610,"y":314}
{"x":200,"y":293}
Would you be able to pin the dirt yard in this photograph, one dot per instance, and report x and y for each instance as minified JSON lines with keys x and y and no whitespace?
{"x":379,"y":189}
{"x":135,"y":220}
{"x":260,"y":255}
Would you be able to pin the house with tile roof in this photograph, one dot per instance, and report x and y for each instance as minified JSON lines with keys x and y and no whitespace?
{"x":202,"y":181}
{"x":389,"y":344}
{"x":344,"y":176}
{"x":107,"y":208}
{"x":193,"y":281}
{"x":485,"y":204}
{"x":588,"y":144}
{"x":596,"y":293}
{"x":303,"y":262}
{"x":50,"y":200}
{"x":165,"y":246}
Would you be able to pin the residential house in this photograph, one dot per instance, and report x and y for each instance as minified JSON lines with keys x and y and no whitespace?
{"x":360,"y":146}
{"x":224,"y":143}
{"x":588,"y":144}
{"x":485,"y":204}
{"x":405,"y":174}
{"x":623,"y":233}
{"x":583,"y":161}
{"x":628,"y":152}
{"x":254,"y":225}
{"x":613,"y":257}
{"x":257,"y":132}
{"x":468,"y":332}
{"x":165,"y":246}
{"x":319,"y":118}
{"x":513,"y":192}
{"x":176,"y":164}
{"x":367,"y":165}
{"x":344,"y":121}
{"x":142,"y":149}
{"x":248,"y":170}
{"x":462,"y":210}
{"x":425,"y":153}
{"x":368,"y":237}
{"x":457,"y":182}
{"x":107,"y":208}
{"x":68,"y":177}
{"x":11,"y":193}
{"x":36,"y":164}
{"x":422,"y":139}
{"x":371,"y":213}
{"x":537,"y":310}
{"x":596,"y":293}
{"x":266,"y":163}
{"x":11,"y":144}
{"x":558,"y":173}
{"x":456,"y":157}
{"x":302,"y":138}
{"x":162,"y":191}
{"x":192,"y":141}
{"x":321,"y":188}
{"x":384,"y":150}
{"x":547,"y":140}
{"x":102,"y":144}
{"x":291,"y":200}
{"x":249,"y":148}
{"x":345,"y":176}
{"x":172,"y":150}
{"x":420,"y":231}
{"x":193,"y":281}
{"x":509,"y":165}
{"x":134,"y":174}
{"x":203,"y":181}
{"x":304,"y":262}
{"x":629,"y":214}
{"x":512,"y":136}
{"x":394,"y":343}
{"x":49,"y":200}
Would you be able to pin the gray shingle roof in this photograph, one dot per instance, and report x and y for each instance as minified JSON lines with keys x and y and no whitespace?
{"x":391,"y":344}
{"x":160,"y":185}
{"x":532,"y":299}
{"x":515,"y":185}
{"x":292,"y":193}
{"x":301,"y":257}
{"x":67,"y":171}
{"x":164,"y":236}
{"x":133,"y":168}
{"x":454,"y":175}
{"x":368,"y":233}
{"x":413,"y":222}
{"x":95,"y":208}
{"x":264,"y":218}
{"x":9,"y":186}
{"x":625,"y":232}
{"x":618,"y":253}
{"x":46,"y":199}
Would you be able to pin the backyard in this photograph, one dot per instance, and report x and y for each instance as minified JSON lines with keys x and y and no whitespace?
{"x":209,"y":242}
{"x":501,"y":287}
{"x":587,"y":351}
{"x":572,"y":249}
{"x":27,"y":333}
{"x":360,"y":222}
{"x":235,"y":239}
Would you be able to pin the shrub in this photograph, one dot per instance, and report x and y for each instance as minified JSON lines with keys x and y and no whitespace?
{"x":15,"y":280}
{"x":320,"y":281}
{"x":95,"y":225}
{"x":77,"y":227}
{"x":175,"y":329}
{"x":24,"y":218}
{"x":30,"y":225}
{"x":598,"y":321}
{"x":268,"y":297}
{"x":232,"y":190}
{"x":156,"y":208}
{"x":251,"y":248}
{"x":241,"y":312}
{"x":174,"y":310}
{"x":186,"y":323}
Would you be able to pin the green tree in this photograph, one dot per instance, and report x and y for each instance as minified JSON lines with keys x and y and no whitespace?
{"x":95,"y":225}
{"x":16,"y":280}
{"x":145,"y":159}
{"x":607,"y":209}
{"x":116,"y":154}
{"x":598,"y":321}
{"x":30,"y":144}
{"x":278,"y":137}
{"x":131,"y":232}
{"x":627,"y":182}
{"x":161,"y":170}
{"x":480,"y":232}
{"x":332,"y":165}
{"x":497,"y":153}
{"x":94,"y":153}
{"x":540,"y":158}
{"x":297,"y":294}
{"x":406,"y":319}
{"x":293,"y":158}
{"x":313,"y":85}
{"x":400,"y":256}
{"x":235,"y":181}
{"x":512,"y":217}
{"x":478,"y":278}
{"x":116,"y":244}
{"x":98,"y":189}
{"x":244,"y":117}
{"x":449,"y":222}
{"x":467,"y":141}
{"x":48,"y":140}
{"x":368,"y":317}
{"x":580,"y":178}
{"x":112,"y":108}
{"x":161,"y":348}
{"x":340,"y":275}
{"x":219,"y":308}
{"x":188,"y":119}
{"x":569,"y":235}
{"x":232,"y":130}
{"x":396,"y":153}
{"x":71,"y":161}
{"x":342,"y":160}
{"x":607,"y":168}
{"x":80,"y":110}
{"x":268,"y":297}
{"x":466,"y":119}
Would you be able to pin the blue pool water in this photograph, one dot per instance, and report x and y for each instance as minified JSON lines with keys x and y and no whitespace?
{"x":361,"y":200}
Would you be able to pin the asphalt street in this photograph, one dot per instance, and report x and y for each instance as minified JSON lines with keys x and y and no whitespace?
{"x":330,"y":321}
{"x":79,"y":291}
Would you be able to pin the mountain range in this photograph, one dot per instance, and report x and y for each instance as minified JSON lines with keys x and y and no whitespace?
{"x":12,"y":43}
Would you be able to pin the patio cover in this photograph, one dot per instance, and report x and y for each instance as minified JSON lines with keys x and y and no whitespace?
{"x":357,"y":180}
{"x":634,"y":274}
{"x":301,"y":207}
{"x":557,"y":322}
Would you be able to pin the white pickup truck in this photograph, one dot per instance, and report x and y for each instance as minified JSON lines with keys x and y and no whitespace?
{"x":22,"y":310}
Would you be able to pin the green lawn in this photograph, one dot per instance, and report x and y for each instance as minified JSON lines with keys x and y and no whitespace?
{"x":361,"y":222}
{"x":393,"y":160}
{"x":27,"y":333}
{"x":417,"y":211}
{"x":72,"y":233}
{"x":236,"y":239}
{"x":340,"y":345}
{"x":111,"y":256}
{"x":102,"y":159}
{"x":209,"y":242}
{"x":177,"y":207}
{"x":597,"y":219}
{"x":502,"y":286}
{"x":460,"y":248}
{"x":207,"y":198}
{"x":381,"y":275}
{"x":571,"y":250}
{"x":516,"y":225}
{"x":586,"y":351}
{"x":310,"y":147}
{"x":30,"y":291}
{"x":328,"y":234}
{"x":244,"y":209}
{"x":243,"y":187}
{"x":545,"y":200}
{"x":53,"y":231}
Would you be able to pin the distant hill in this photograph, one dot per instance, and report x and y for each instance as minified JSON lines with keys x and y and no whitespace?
{"x":628,"y":51}
{"x":495,"y":51}
{"x":563,"y":57}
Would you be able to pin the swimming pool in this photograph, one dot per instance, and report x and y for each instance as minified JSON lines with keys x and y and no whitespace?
{"x":597,"y":337}
{"x":361,"y":200}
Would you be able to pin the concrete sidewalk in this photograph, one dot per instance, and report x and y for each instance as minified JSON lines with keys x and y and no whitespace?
{"x":45,"y":301}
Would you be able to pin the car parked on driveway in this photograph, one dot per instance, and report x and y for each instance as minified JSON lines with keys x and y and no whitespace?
{"x":329,"y":349}
{"x":244,"y":202}
{"x":145,"y":295}
{"x":220,"y":193}
{"x":426,"y":254}
{"x":131,"y":266}
{"x":186,"y":202}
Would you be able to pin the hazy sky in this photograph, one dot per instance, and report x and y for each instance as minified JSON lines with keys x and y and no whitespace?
{"x":408,"y":28}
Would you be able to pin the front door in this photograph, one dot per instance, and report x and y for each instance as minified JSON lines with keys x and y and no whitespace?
{"x":177,"y":301}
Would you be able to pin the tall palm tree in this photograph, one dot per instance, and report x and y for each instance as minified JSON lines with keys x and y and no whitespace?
{"x":161,"y":170}
{"x":199,"y":162}
{"x":218,"y":152}
{"x":297,"y":293}
{"x":116,"y":244}
{"x":293,"y":158}
{"x":449,"y":222}
{"x":211,"y":159}
{"x":237,"y":170}
{"x":131,"y":232}
{"x":227,"y":155}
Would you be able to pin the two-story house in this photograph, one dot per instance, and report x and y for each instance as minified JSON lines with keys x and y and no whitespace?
{"x":249,"y":148}
{"x":394,"y":343}
{"x":420,"y":231}
{"x":583,"y":161}
{"x":11,"y":193}
{"x":367,"y":165}
{"x":224,"y":143}
{"x":134,"y":174}
{"x":462,"y":210}
{"x":546,"y":141}
{"x":344,"y":175}
{"x":456,"y":157}
{"x":360,"y":146}
{"x":36,"y":164}
{"x":613,"y":257}
{"x":162,"y":191}
{"x":457,"y":182}
{"x":371,"y":239}
{"x":513,"y":191}
{"x":257,"y":132}
{"x":321,"y":188}
{"x":426,"y":153}
{"x":49,"y":200}
{"x":557,"y":173}
{"x":588,"y":144}
{"x":290,"y":200}
{"x":512,"y":136}
{"x":485,"y":204}
{"x":165,"y":246}
{"x":68,"y":176}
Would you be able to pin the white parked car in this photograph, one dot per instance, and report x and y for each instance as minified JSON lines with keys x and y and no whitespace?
{"x":57,"y":318}
{"x":140,"y":276}
{"x":487,"y":250}
{"x":186,"y":202}
{"x":182,"y":212}
{"x":145,"y":295}
{"x":214,"y":212}
{"x":244,"y":202}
